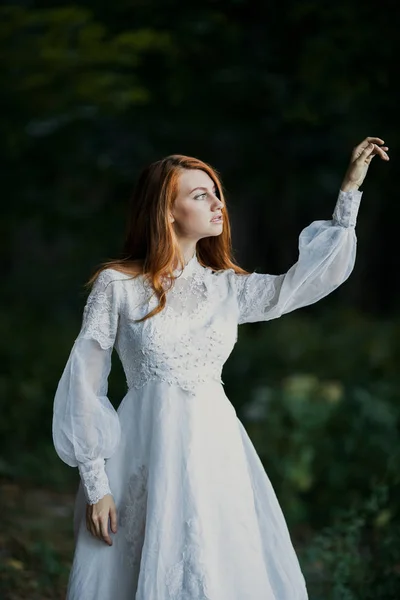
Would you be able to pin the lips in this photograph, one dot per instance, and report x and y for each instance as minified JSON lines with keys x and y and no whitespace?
{"x":217,"y":219}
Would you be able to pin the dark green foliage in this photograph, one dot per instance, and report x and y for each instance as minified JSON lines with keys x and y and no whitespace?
{"x":274,"y":95}
{"x":359,"y":555}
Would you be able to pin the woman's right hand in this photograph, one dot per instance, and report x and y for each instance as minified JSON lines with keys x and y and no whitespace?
{"x":97,"y":516}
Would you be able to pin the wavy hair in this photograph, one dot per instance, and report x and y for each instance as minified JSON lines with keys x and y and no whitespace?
{"x":151,"y":247}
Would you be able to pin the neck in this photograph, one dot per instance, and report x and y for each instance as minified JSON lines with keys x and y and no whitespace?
{"x":188,"y":252}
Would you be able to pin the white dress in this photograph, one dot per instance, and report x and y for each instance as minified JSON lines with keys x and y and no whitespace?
{"x":197,"y":516}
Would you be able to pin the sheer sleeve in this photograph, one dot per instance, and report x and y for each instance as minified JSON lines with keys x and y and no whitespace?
{"x":86,"y":427}
{"x":327,"y":251}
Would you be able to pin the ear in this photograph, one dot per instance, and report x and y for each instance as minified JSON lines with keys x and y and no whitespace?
{"x":171,"y":218}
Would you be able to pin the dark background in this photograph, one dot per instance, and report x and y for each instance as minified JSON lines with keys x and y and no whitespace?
{"x":274,"y":95}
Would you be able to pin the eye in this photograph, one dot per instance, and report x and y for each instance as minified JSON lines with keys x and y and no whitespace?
{"x":202,"y":195}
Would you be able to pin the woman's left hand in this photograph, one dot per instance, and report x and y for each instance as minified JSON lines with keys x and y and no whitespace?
{"x":361,"y":158}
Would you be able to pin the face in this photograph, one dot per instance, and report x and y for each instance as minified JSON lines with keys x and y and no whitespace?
{"x":195,"y":205}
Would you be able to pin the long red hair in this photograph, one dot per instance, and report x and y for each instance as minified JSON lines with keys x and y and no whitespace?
{"x":150,"y":246}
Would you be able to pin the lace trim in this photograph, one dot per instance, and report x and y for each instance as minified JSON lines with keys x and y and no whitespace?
{"x":95,"y":481}
{"x":186,"y":579}
{"x":132,"y":515}
{"x":189,"y":295}
{"x":346,"y":209}
{"x":95,"y":315}
{"x":163,"y":363}
{"x":255,"y":295}
{"x":180,"y":357}
{"x":100,"y":314}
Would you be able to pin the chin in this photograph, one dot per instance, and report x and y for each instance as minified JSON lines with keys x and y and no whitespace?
{"x":216,"y":227}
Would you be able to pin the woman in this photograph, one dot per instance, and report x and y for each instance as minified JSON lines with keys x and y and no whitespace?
{"x":174,"y":502}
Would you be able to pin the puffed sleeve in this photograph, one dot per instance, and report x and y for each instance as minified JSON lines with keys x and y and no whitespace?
{"x":86,"y":427}
{"x":327,"y":252}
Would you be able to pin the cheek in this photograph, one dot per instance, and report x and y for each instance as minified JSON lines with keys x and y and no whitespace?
{"x":193,"y":214}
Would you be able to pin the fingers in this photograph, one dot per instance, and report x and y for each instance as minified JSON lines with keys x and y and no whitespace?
{"x":364,"y":144}
{"x":113,"y":519}
{"x":89,"y":524}
{"x":95,"y":526}
{"x":374,"y":140}
{"x":376,"y":150}
{"x":381,"y":152}
{"x":104,"y":531}
{"x":368,"y":151}
{"x":92,"y":526}
{"x":98,"y":525}
{"x":99,"y":528}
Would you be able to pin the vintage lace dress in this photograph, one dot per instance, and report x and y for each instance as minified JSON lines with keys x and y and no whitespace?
{"x":197,"y":516}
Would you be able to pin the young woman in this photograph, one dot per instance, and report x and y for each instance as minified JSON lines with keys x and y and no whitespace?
{"x":174,"y":502}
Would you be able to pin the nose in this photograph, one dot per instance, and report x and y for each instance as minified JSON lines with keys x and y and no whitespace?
{"x":217,"y":202}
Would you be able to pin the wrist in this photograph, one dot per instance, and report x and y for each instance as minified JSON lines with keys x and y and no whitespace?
{"x":94,"y":480}
{"x":348,"y":186}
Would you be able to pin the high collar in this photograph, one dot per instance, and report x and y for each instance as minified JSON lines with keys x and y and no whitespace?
{"x":191,"y":267}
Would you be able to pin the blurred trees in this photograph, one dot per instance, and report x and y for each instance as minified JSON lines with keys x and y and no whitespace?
{"x":274,"y":95}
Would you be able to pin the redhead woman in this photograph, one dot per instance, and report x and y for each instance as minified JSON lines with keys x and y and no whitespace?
{"x":174,"y":502}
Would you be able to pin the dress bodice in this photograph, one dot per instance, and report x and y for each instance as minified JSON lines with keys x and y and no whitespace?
{"x":188,"y":342}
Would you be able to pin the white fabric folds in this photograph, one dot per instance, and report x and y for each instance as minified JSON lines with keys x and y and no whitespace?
{"x":86,"y":427}
{"x":198,"y":518}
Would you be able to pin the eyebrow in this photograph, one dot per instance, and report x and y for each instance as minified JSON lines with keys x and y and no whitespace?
{"x":203,"y":188}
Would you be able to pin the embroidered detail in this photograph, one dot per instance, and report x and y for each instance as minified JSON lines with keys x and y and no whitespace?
{"x":186,"y":579}
{"x":95,"y":315}
{"x":188,"y":295}
{"x":100,"y":315}
{"x":183,"y":345}
{"x":255,"y":293}
{"x":346,"y":209}
{"x":188,"y":363}
{"x":94,"y":480}
{"x":132,"y":515}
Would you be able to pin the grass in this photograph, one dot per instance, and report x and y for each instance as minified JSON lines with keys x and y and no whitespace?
{"x":36,"y":542}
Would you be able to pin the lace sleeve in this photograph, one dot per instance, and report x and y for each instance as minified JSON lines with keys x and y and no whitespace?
{"x":100,"y":315}
{"x":86,"y":427}
{"x":327,"y":251}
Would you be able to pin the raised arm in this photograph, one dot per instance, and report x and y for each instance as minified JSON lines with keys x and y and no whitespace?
{"x":327,"y":252}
